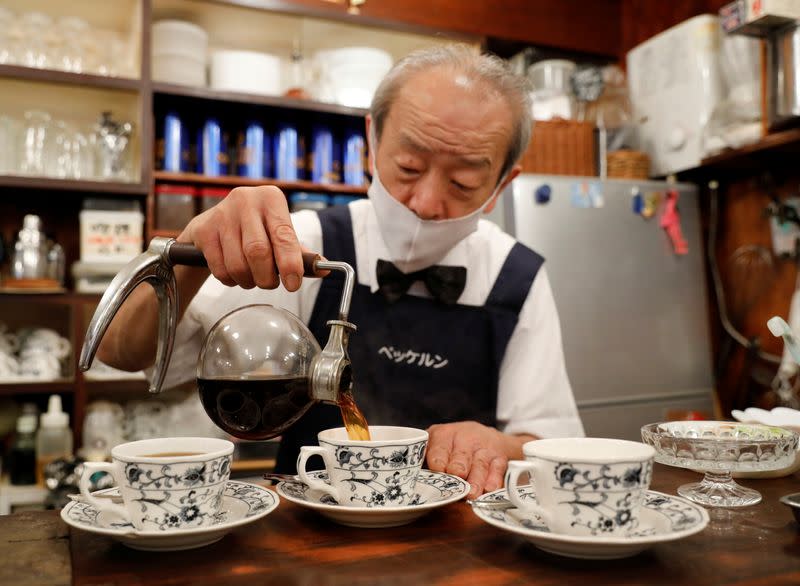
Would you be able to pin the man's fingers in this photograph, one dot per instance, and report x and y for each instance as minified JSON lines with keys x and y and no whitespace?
{"x":479,"y":472}
{"x":497,"y":473}
{"x":258,"y":252}
{"x":440,"y":443}
{"x":285,"y":245}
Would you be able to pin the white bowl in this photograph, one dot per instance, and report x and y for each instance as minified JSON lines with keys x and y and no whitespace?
{"x":245,"y":71}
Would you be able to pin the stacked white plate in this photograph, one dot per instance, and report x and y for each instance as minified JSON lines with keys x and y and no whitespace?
{"x":179,"y":52}
{"x":246,"y":71}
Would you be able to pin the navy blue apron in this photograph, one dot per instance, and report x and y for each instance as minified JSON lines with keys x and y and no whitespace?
{"x":415,"y":362}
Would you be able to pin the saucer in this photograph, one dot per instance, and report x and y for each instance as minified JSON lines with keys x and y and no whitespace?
{"x":242,"y":503}
{"x":434,"y":489}
{"x":663,"y":518}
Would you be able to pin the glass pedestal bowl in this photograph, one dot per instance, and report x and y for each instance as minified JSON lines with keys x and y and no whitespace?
{"x":719,"y":448}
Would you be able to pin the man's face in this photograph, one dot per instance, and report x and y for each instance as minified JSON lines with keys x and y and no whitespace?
{"x":443,"y":144}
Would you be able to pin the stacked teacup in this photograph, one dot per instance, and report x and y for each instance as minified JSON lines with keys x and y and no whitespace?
{"x":41,"y":352}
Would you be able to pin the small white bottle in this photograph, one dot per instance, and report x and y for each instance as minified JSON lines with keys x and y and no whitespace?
{"x":54,"y":438}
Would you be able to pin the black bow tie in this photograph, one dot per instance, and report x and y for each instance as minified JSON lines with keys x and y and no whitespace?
{"x":444,"y":283}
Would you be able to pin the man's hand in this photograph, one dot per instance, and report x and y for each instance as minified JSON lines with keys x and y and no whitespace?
{"x":248,"y":239}
{"x":473,"y":451}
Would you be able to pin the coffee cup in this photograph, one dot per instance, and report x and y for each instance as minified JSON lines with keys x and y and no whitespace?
{"x":584,"y":486}
{"x":379,"y":472}
{"x":166,"y":484}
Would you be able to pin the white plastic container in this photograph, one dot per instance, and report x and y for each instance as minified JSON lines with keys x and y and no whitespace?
{"x":110,"y":236}
{"x":245,"y":71}
{"x":54,"y":437}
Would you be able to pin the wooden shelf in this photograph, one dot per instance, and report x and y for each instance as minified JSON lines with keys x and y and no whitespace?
{"x":202,"y":93}
{"x":774,"y":150}
{"x":164,"y":233}
{"x":22,"y":387}
{"x":75,"y":185}
{"x":116,"y":385}
{"x":67,"y":78}
{"x":233,"y":181}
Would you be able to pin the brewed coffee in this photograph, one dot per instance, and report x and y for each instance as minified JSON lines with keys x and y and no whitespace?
{"x":258,"y":409}
{"x":172,"y":454}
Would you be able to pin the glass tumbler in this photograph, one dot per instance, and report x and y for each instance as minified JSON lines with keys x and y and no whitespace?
{"x":36,"y":131}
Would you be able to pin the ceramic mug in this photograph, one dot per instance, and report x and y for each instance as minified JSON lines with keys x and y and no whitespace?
{"x":165,"y":483}
{"x":379,"y":472}
{"x":584,"y":486}
{"x":39,"y":365}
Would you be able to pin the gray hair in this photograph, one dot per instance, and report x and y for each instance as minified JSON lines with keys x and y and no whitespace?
{"x":486,"y":69}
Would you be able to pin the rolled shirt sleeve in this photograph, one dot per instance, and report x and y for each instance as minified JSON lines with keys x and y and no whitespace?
{"x":534,"y":393}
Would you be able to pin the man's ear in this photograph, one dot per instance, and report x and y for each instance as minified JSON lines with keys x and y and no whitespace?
{"x":512,"y":174}
{"x":370,"y":158}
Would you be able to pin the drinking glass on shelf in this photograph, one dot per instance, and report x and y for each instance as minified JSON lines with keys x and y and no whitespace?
{"x":36,"y":29}
{"x":34,"y":143}
{"x":74,"y":33}
{"x":7,"y":38}
{"x":69,"y":153}
{"x":9,"y":128}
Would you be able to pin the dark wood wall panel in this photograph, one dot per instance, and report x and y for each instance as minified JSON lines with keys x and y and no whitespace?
{"x":589,"y":26}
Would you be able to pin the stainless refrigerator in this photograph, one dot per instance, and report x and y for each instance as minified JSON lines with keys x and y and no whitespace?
{"x":633,"y":313}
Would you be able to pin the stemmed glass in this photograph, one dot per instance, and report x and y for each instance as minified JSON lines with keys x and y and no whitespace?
{"x":718,"y":448}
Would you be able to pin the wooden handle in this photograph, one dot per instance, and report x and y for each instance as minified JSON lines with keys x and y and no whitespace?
{"x":310,"y":264}
{"x":187,"y":254}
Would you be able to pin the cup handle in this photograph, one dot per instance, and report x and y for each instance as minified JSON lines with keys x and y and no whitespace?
{"x":515,"y":468}
{"x":305,"y":453}
{"x":90,"y":468}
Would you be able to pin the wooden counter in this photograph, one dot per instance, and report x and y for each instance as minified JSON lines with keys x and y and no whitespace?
{"x":758,"y":545}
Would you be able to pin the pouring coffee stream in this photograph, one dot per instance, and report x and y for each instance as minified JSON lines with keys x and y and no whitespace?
{"x":260,"y":368}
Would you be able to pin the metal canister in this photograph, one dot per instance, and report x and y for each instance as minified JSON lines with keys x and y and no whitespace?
{"x":325,"y":156}
{"x":254,"y":152}
{"x":355,"y":156}
{"x":172,"y":144}
{"x":289,"y":153}
{"x":212,"y":149}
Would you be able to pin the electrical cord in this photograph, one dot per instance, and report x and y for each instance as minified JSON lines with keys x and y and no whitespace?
{"x":719,"y":290}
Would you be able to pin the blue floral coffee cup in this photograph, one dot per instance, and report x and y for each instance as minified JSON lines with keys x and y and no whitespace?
{"x":584,"y":486}
{"x":379,"y":472}
{"x":166,"y":484}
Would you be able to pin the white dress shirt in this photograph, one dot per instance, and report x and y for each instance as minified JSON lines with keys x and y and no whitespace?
{"x":534,"y":393}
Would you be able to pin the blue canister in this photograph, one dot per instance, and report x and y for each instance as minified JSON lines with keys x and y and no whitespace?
{"x":325,"y":156}
{"x":355,"y":156}
{"x":212,"y":149}
{"x":172,"y":144}
{"x":289,"y":153}
{"x":254,"y":152}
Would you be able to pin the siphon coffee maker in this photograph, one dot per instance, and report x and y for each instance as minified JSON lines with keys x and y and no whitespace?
{"x":260,"y":368}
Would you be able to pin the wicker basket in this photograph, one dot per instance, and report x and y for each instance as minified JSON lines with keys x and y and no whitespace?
{"x":628,"y":165}
{"x":561,"y":147}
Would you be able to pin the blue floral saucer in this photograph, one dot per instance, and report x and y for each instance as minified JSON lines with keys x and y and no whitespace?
{"x":242,"y":503}
{"x":433,"y":490}
{"x":663,"y":518}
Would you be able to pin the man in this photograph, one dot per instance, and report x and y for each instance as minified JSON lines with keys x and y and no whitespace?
{"x":446,"y":129}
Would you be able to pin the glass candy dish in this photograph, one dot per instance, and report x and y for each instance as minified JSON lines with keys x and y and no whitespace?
{"x":719,"y":448}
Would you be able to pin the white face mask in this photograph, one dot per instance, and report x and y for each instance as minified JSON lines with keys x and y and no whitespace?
{"x":415,"y":243}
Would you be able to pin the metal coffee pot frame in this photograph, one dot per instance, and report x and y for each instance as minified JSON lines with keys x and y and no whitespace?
{"x":329,"y":372}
